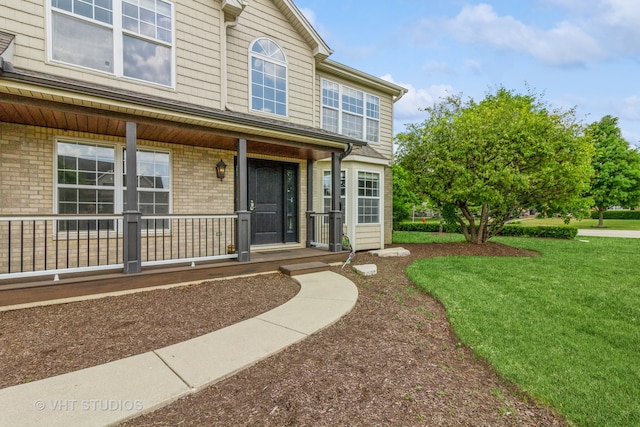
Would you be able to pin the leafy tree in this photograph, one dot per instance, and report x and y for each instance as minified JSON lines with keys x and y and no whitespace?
{"x":493,"y":158}
{"x":616,"y":179}
{"x":403,"y":197}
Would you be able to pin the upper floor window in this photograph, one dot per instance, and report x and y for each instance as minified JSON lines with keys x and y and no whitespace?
{"x":128,"y":38}
{"x":350,"y":112}
{"x":268,"y":77}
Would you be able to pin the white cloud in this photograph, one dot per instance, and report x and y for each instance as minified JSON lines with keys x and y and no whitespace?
{"x":438,"y":68}
{"x":409,"y":107}
{"x":630,"y":108}
{"x":564,"y":44}
{"x":473,"y":65}
{"x":321,"y":29}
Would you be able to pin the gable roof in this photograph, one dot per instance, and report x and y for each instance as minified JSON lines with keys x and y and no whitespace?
{"x":302,"y":25}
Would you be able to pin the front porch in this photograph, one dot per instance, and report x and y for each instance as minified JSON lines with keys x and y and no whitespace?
{"x":99,"y":282}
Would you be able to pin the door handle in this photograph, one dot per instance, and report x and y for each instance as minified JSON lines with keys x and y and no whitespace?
{"x":252,"y":205}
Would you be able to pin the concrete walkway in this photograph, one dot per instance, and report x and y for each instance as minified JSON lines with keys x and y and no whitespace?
{"x":595,"y":232}
{"x":114,"y":392}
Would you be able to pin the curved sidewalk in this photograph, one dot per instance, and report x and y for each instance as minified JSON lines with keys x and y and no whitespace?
{"x":114,"y":392}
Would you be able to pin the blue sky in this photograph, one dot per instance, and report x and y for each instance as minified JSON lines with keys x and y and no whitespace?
{"x":575,"y":53}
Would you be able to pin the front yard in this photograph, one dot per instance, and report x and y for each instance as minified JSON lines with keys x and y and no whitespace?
{"x":565,"y":326}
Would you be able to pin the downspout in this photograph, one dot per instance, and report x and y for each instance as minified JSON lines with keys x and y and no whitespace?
{"x":346,"y":152}
{"x":224,"y":84}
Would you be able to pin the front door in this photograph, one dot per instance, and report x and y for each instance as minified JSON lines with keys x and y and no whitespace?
{"x":273,"y":200}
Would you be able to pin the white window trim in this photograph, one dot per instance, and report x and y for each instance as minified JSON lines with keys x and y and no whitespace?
{"x":379,"y":198}
{"x":251,"y":54}
{"x":340,"y":111}
{"x":118,"y":187}
{"x":118,"y":32}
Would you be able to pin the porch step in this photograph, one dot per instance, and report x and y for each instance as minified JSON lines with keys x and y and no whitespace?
{"x":304,"y":268}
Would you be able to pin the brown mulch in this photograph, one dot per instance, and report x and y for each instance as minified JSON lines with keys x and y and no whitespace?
{"x":392,"y":361}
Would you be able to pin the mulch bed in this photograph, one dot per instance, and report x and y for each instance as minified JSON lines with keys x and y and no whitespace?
{"x":392,"y":361}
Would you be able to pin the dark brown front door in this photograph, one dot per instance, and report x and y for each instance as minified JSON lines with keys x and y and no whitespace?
{"x":272,"y":197}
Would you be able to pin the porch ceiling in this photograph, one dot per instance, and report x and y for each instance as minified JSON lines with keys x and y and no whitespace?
{"x":38,"y":99}
{"x":68,"y":117}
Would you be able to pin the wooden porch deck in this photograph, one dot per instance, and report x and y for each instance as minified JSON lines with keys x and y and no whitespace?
{"x":81,"y":285}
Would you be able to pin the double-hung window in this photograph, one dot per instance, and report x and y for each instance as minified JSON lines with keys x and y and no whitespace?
{"x":91,"y":180}
{"x":86,"y":184}
{"x":126,"y":38}
{"x":368,"y":197}
{"x":268,"y":77}
{"x":350,"y":112}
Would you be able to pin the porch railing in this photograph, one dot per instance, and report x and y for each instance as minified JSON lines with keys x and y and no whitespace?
{"x":318,"y":229}
{"x":187,"y":238}
{"x":40,"y":245}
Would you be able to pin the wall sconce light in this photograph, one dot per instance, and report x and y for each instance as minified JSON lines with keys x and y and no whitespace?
{"x":220,"y":169}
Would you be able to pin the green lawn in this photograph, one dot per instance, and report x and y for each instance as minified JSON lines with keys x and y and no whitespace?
{"x":565,"y":326}
{"x":611,"y":224}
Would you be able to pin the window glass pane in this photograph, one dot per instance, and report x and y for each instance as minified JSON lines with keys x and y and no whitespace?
{"x":63,"y":4}
{"x":82,"y":43}
{"x":150,"y":18}
{"x":83,"y":9}
{"x":330,"y":94}
{"x":268,"y":79}
{"x":352,"y":125}
{"x":373,"y":107}
{"x":67,"y":195}
{"x":330,"y":120}
{"x":147,"y":61}
{"x":373,"y":130}
{"x":103,"y":15}
{"x":352,"y":100}
{"x":104,"y":4}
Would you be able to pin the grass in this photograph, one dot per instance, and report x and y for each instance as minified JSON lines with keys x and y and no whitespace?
{"x":564,"y":327}
{"x":611,"y":224}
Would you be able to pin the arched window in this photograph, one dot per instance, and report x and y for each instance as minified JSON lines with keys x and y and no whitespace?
{"x":268,"y":77}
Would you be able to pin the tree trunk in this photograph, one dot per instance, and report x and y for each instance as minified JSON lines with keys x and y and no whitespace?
{"x":600,"y":218}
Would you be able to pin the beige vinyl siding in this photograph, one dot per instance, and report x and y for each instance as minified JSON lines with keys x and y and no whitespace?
{"x":262,"y":19}
{"x":197,"y":51}
{"x":385,"y":146}
{"x":388,"y":206}
{"x":367,"y":237}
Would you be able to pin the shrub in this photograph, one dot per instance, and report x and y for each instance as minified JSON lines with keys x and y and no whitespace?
{"x":617,"y":214}
{"x":428,"y":227}
{"x":554,"y":232}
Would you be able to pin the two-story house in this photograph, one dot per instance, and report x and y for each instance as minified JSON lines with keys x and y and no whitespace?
{"x":143,"y":133}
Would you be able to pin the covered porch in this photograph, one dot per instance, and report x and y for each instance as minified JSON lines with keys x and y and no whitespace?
{"x":41,"y":252}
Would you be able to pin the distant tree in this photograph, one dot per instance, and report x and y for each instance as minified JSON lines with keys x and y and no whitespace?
{"x":403,"y":196}
{"x":494,"y":158}
{"x":616,"y":179}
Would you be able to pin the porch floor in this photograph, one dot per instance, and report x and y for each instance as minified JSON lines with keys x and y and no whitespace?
{"x":38,"y":290}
